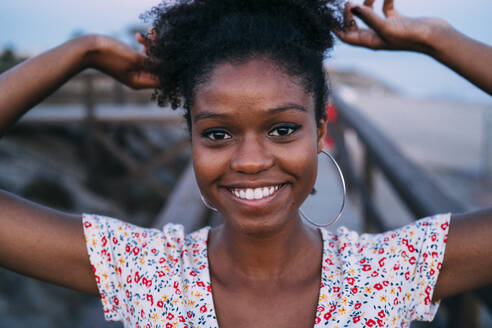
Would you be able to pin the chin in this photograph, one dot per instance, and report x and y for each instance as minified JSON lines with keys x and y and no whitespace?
{"x":259,"y":226}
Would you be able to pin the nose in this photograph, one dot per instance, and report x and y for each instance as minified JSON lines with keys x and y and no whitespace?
{"x":251,"y":156}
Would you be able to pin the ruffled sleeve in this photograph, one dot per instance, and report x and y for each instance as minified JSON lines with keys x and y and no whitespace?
{"x":122,"y":256}
{"x":410,"y":258}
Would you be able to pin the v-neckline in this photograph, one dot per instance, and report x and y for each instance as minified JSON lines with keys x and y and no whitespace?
{"x":206,"y":272}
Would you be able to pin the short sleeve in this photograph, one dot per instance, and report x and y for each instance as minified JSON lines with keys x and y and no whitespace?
{"x":411,"y":257}
{"x":122,"y":257}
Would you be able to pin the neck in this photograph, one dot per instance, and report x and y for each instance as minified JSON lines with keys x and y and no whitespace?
{"x":277,"y":255}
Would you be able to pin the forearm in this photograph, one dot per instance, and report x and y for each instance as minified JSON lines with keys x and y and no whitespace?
{"x":27,"y":84}
{"x":467,"y":57}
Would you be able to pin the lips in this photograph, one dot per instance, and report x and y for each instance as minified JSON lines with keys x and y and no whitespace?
{"x":256,"y":193}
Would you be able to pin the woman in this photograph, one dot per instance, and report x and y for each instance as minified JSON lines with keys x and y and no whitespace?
{"x":249,"y":74}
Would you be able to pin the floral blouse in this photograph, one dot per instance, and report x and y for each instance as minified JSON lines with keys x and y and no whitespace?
{"x":160,"y":278}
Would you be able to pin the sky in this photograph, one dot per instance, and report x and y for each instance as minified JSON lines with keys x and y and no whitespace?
{"x":33,"y":26}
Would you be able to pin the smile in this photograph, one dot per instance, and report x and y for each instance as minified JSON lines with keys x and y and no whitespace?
{"x":255,"y":193}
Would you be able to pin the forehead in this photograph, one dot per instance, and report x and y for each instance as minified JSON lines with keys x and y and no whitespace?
{"x":255,"y":83}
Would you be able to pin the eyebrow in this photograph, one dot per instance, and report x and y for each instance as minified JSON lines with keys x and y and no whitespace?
{"x":210,"y":115}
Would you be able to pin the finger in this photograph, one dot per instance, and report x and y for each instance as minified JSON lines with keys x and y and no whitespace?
{"x":389,"y":8}
{"x":369,"y":3}
{"x":362,"y":38}
{"x":369,"y":17}
{"x":145,"y":80}
{"x":142,"y":39}
{"x":349,"y":23}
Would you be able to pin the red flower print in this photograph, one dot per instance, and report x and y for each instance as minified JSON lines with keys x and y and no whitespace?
{"x":407,"y":275}
{"x":356,"y":319}
{"x":153,"y":250}
{"x":357,"y":306}
{"x":354,"y":290}
{"x":350,"y":281}
{"x":395,"y":302}
{"x":380,"y":323}
{"x":136,"y":250}
{"x":87,"y":224}
{"x":115,"y":241}
{"x":160,"y":304}
{"x":317,"y":320}
{"x":378,"y":286}
{"x":203,"y":309}
{"x":396,"y":267}
{"x":366,"y":267}
{"x":362,"y":261}
{"x":128,"y":248}
{"x":327,"y":316}
{"x":137,"y":276}
{"x":170,"y":316}
{"x":188,"y":314}
{"x":370,"y":323}
{"x":374,"y":274}
{"x":116,"y":301}
{"x":193,"y":273}
{"x":381,"y":314}
{"x":412,"y":260}
{"x":129,"y":279}
{"x":200,"y":284}
{"x":150,"y":298}
{"x":336,"y":289}
{"x":385,"y":283}
{"x":104,"y":241}
{"x":181,"y":318}
{"x":161,"y":273}
{"x":169,"y":325}
{"x":381,"y":250}
{"x":381,"y":262}
{"x":320,"y":309}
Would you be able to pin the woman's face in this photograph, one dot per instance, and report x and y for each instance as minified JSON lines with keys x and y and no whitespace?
{"x":255,"y":142}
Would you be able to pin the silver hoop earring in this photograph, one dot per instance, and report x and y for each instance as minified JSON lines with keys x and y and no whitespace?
{"x":305,"y":217}
{"x":207,"y":204}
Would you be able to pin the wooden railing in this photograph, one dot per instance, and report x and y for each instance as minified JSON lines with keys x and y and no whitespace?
{"x":416,"y":190}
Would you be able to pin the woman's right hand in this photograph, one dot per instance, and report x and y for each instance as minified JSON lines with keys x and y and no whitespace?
{"x":120,"y":61}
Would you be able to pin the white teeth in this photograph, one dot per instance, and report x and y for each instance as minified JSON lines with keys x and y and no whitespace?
{"x":258,"y":193}
{"x":255,"y":193}
{"x":250,"y":194}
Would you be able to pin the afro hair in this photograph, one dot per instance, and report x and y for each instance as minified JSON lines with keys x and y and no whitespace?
{"x":192,"y":37}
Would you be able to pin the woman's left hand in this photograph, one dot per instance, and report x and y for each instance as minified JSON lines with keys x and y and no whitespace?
{"x":393,"y":32}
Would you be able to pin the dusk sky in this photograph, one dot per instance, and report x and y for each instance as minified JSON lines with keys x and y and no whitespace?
{"x":33,"y":26}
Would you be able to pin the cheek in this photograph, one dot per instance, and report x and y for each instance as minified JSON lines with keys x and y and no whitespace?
{"x":208,"y":165}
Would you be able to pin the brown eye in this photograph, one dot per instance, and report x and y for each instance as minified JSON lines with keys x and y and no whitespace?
{"x":284,"y":130}
{"x":216,"y":135}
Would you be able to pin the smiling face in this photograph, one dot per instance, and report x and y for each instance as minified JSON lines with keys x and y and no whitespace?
{"x":255,"y":142}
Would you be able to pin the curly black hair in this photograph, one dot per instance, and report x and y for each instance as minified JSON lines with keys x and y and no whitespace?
{"x":192,"y":37}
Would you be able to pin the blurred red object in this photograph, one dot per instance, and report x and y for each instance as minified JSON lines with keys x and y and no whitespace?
{"x":331,"y":117}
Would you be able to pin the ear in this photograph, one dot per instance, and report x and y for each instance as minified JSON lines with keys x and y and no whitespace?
{"x":321,"y":134}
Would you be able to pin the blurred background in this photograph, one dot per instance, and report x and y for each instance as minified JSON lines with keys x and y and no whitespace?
{"x":413,"y":138}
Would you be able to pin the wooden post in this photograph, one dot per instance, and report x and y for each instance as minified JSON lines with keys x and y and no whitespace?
{"x":90,"y":150}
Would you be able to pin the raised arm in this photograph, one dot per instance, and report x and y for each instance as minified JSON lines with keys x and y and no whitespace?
{"x":434,"y":37}
{"x":25,"y":85}
{"x":468,"y":257}
{"x":34,"y":240}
